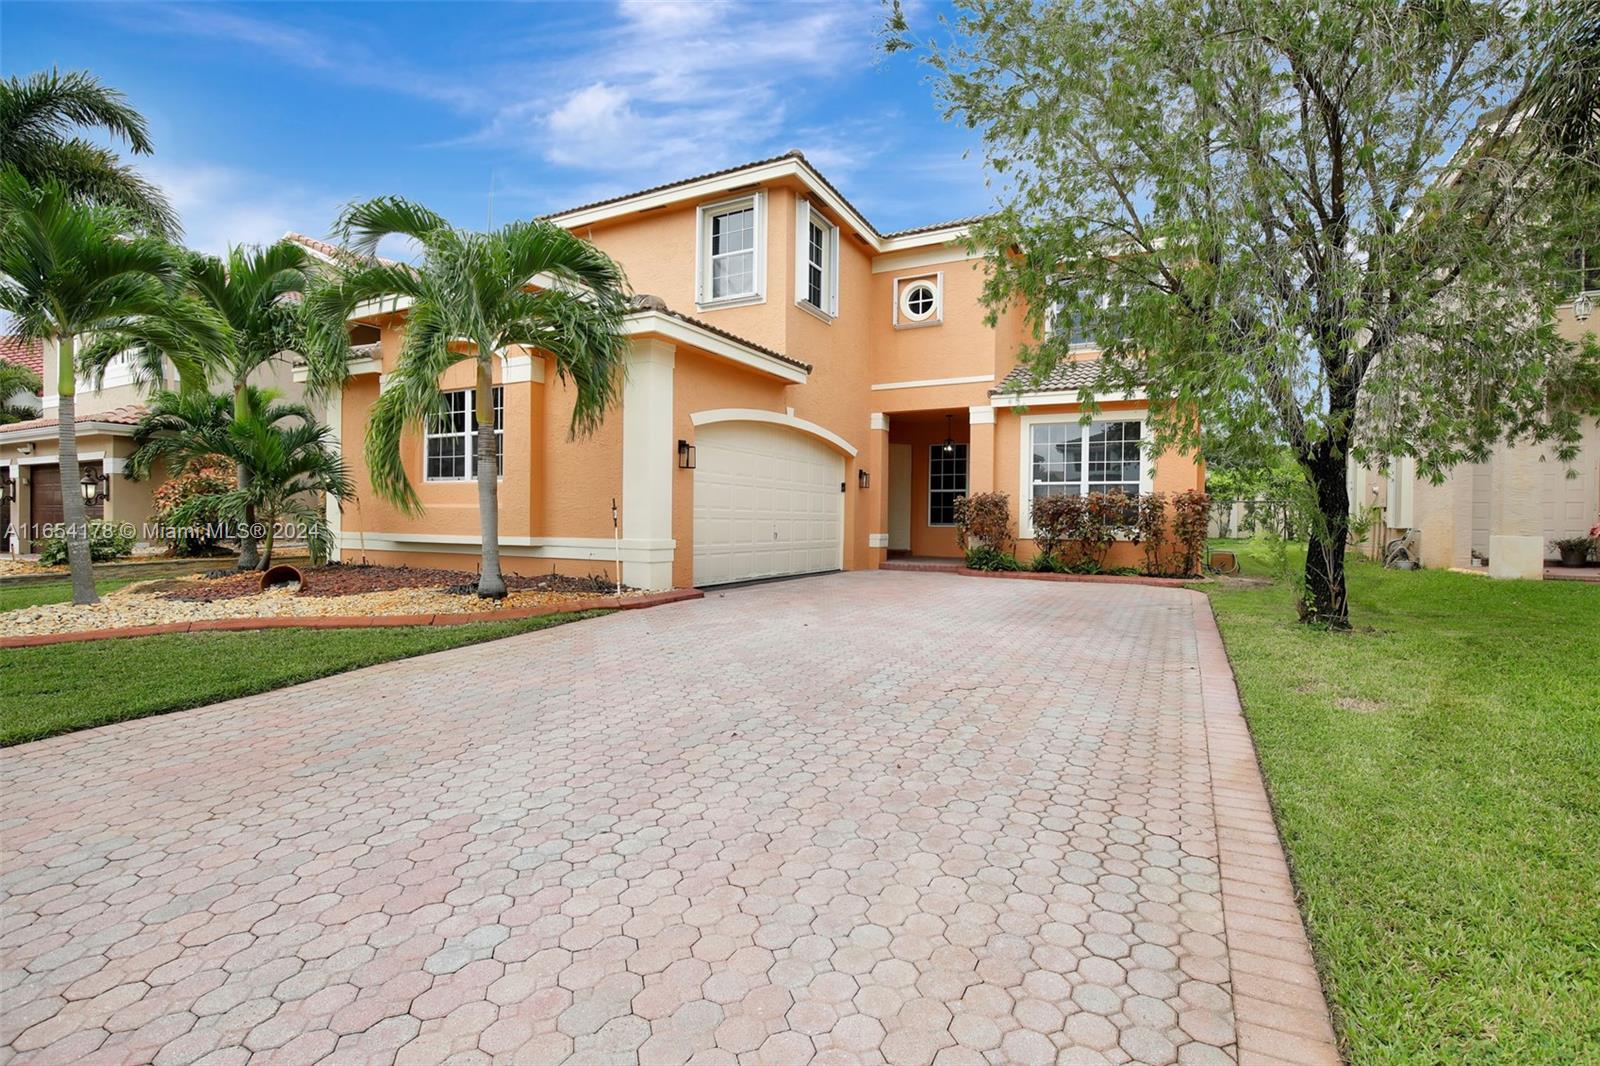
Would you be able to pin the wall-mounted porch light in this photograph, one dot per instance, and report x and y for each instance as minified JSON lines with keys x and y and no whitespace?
{"x":685,"y":455}
{"x":862,"y":479}
{"x":1582,"y":307}
{"x":95,"y":485}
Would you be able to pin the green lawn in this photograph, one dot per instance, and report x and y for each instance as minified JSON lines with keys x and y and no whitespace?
{"x":14,"y":596}
{"x":1436,"y":777}
{"x":62,"y":687}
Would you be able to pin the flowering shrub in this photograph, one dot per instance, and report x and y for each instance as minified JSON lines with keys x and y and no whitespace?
{"x":193,"y":534}
{"x":1191,"y":512}
{"x":984,"y":520}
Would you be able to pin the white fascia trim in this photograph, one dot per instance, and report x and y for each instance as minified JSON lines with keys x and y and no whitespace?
{"x":751,"y":414}
{"x":355,"y":369}
{"x":764,"y":174}
{"x":680,"y":332}
{"x":1046,"y":399}
{"x":109,"y":429}
{"x":601,"y":549}
{"x":1025,"y":458}
{"x":931,"y":257}
{"x":973,"y":379}
{"x":384,"y":305}
{"x":53,"y":460}
{"x":980,"y":416}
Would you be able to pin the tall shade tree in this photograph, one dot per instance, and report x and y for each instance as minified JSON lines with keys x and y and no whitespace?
{"x":472,"y":298}
{"x":40,"y":116}
{"x":66,"y":270}
{"x":1330,"y":224}
{"x":258,"y":294}
{"x":293,"y":460}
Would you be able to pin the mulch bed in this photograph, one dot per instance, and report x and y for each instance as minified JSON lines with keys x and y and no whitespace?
{"x":338,"y":579}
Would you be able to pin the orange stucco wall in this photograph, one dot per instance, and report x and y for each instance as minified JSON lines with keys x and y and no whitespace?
{"x":555,"y":487}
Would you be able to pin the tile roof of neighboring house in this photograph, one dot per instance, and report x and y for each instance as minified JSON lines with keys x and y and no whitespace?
{"x":793,"y":153}
{"x":1068,"y":374}
{"x":645,"y":302}
{"x":126,"y":415}
{"x":23,"y":352}
{"x":332,"y":251}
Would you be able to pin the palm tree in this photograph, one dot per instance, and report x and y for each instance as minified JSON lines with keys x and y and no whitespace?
{"x":38,"y":118}
{"x":258,"y":293}
{"x":15,"y":379}
{"x":472,"y":299}
{"x":67,"y":269}
{"x":293,"y":460}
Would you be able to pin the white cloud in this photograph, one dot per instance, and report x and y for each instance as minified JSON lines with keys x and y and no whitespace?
{"x":222,"y":205}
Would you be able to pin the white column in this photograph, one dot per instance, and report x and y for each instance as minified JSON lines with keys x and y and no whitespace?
{"x":333,"y":416}
{"x":648,"y":460}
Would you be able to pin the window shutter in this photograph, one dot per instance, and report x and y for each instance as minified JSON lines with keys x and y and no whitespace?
{"x":802,"y":241}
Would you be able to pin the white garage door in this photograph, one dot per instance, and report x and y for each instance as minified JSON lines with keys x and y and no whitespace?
{"x":766,"y":503}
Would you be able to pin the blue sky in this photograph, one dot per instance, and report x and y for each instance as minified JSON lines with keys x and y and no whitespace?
{"x":268,"y":117}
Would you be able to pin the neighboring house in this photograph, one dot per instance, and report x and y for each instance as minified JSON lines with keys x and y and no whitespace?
{"x":30,"y":356}
{"x":804,"y":394}
{"x":1502,"y":513}
{"x":107,"y":417}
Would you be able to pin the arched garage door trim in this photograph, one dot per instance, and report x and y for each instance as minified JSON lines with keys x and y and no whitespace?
{"x":751,"y":414}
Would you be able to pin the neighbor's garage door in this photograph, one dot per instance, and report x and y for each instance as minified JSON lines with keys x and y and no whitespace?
{"x":766,"y":503}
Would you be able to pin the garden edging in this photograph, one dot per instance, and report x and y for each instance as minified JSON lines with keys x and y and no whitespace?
{"x":594,"y":603}
{"x":1033,"y":575}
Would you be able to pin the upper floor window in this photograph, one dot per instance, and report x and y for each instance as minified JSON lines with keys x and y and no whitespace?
{"x":919,"y":301}
{"x":1585,"y":270}
{"x":1061,"y":319}
{"x":450,"y":441}
{"x":817,"y":261}
{"x":732,"y":243}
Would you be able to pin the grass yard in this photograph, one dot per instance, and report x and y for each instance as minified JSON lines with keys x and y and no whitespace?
{"x":1436,"y":777}
{"x":14,"y":596}
{"x":62,"y":687}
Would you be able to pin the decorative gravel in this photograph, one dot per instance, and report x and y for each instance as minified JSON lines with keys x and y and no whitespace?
{"x":142,"y":605}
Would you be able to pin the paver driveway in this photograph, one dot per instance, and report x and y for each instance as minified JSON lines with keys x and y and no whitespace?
{"x":867,"y":817}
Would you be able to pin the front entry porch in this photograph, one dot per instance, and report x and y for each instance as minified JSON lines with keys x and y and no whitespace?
{"x":929,"y":467}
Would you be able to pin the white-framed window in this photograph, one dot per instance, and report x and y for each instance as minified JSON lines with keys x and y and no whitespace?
{"x":1062,"y":456}
{"x":732,"y":252}
{"x":947,"y":481}
{"x":919,"y":301}
{"x":816,"y":279}
{"x":450,"y":440}
{"x":1057,"y":320}
{"x":1585,"y":270}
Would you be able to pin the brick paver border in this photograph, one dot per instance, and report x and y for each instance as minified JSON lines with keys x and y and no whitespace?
{"x":594,"y":603}
{"x":1280,"y":1011}
{"x":1030,"y":575}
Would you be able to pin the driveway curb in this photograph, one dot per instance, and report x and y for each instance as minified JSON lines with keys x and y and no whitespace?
{"x":213,"y":625}
{"x":1280,"y":1012}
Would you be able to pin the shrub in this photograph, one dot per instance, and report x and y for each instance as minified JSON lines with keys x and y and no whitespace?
{"x":984,"y":520}
{"x":1057,"y":521}
{"x":1104,"y":514}
{"x":107,"y":541}
{"x":193,"y":535}
{"x":983,"y":557}
{"x":1191,"y":511}
{"x":1150,"y":529}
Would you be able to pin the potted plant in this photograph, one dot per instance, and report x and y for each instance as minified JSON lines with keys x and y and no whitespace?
{"x":1574,"y":550}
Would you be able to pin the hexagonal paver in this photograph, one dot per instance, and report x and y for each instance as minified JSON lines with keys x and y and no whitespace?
{"x":911,"y":817}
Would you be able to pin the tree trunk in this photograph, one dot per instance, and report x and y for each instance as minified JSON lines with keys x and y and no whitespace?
{"x":266,"y":548}
{"x":73,"y":516}
{"x":490,"y":584}
{"x":249,"y":557}
{"x":1325,"y":600}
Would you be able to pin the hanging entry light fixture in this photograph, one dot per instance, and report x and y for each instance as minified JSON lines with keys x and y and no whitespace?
{"x":949,"y":440}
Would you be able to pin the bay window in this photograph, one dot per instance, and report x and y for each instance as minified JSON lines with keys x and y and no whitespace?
{"x":450,"y":440}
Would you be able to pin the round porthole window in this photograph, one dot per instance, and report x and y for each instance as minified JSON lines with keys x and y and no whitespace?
{"x":918,"y":301}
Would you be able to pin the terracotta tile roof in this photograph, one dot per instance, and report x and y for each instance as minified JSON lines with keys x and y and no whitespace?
{"x":126,"y":415}
{"x":644,"y":302}
{"x":1068,"y":374}
{"x":793,"y":153}
{"x":23,"y":352}
{"x":332,"y":251}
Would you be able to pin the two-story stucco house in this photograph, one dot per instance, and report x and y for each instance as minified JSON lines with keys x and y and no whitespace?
{"x":805,"y":394}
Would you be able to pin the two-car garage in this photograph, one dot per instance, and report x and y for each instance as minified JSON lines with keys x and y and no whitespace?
{"x":768,"y":502}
